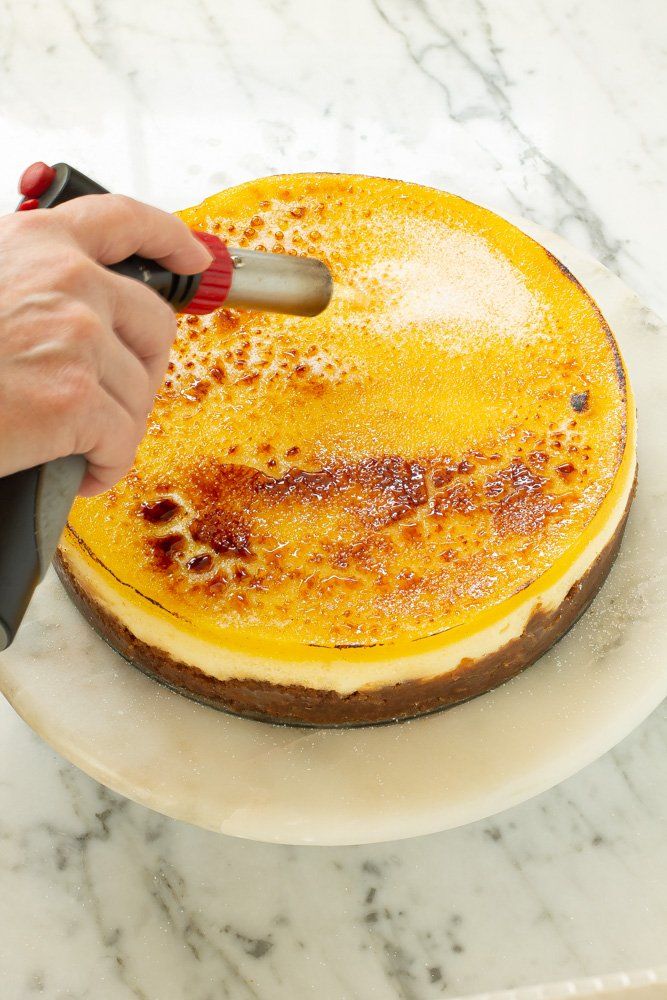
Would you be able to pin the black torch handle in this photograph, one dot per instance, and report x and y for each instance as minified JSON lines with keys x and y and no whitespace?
{"x":34,"y":506}
{"x":177,"y":289}
{"x":35,"y":503}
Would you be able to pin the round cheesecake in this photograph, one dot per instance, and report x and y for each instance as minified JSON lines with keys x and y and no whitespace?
{"x":385,"y":509}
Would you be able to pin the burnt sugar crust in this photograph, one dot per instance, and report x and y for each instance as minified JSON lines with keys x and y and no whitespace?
{"x":424,"y":450}
{"x":298,"y":705}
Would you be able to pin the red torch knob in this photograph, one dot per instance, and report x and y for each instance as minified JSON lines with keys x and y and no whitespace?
{"x":216,"y":280}
{"x":35,"y":179}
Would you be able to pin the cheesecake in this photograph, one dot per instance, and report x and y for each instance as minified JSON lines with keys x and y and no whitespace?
{"x":380,"y":511}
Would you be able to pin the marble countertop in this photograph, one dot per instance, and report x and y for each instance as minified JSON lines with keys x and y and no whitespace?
{"x":551,"y":110}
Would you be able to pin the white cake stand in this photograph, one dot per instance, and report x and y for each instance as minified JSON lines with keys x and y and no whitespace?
{"x":358,"y":786}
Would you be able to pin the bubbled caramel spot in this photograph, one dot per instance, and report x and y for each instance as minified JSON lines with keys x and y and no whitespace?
{"x":538,"y":457}
{"x":197,"y":390}
{"x":383,"y":490}
{"x":224,"y":532}
{"x":200,"y":563}
{"x":159,"y":511}
{"x":514,"y":497}
{"x":522,"y":505}
{"x":165,"y":548}
{"x":459,"y":497}
{"x":518,"y":476}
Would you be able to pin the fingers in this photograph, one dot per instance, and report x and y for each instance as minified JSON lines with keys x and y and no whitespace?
{"x":97,"y":396}
{"x":101,"y":391}
{"x":144,"y":322}
{"x":82,"y":350}
{"x":134,"y":361}
{"x":134,"y":356}
{"x":111,"y":227}
{"x":125,"y":379}
{"x":109,"y":443}
{"x":81,"y":417}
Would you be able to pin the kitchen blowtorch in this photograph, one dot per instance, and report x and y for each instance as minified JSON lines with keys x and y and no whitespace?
{"x":35,"y":503}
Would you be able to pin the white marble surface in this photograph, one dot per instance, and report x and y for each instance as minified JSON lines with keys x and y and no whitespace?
{"x":553,"y":110}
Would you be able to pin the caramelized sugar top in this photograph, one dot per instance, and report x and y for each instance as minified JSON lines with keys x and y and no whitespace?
{"x":422,"y":450}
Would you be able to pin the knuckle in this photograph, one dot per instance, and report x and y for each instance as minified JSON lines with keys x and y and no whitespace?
{"x":69,"y":398}
{"x":121,"y":205}
{"x":74,"y":336}
{"x":74,"y":271}
{"x":79,"y":326}
{"x":34,"y":236}
{"x":38,"y":221}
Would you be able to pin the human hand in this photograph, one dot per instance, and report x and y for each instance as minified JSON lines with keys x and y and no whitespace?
{"x":82,"y":349}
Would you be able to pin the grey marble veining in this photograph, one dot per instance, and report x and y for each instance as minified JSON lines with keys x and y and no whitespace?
{"x":552,"y":110}
{"x":105,"y":899}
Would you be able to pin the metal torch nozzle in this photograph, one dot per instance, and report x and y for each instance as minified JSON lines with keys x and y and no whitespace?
{"x":299,"y":286}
